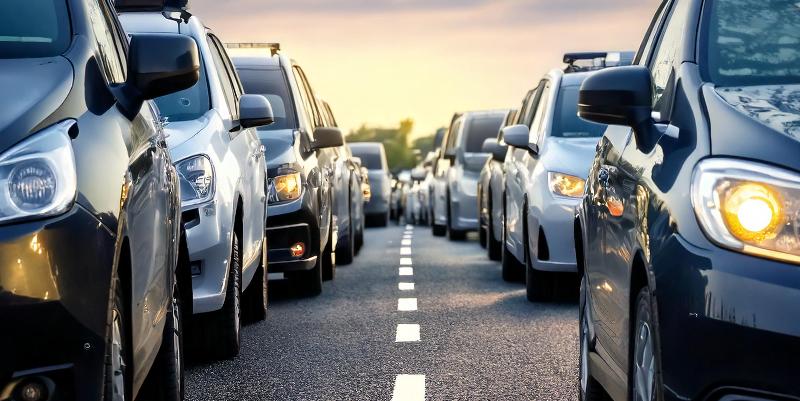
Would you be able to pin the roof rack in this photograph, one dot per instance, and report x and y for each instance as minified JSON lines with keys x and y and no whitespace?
{"x":591,"y":61}
{"x":274,"y":48}
{"x":151,"y":5}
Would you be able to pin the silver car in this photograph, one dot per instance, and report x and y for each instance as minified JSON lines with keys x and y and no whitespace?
{"x":373,"y":157}
{"x":463,"y":148}
{"x":220,"y":161}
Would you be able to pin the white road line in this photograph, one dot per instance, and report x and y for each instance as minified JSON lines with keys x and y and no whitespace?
{"x":405,"y":262}
{"x":407,"y":333}
{"x":405,"y":250}
{"x":409,"y":388}
{"x":409,"y":227}
{"x":406,"y":242}
{"x":275,"y":276}
{"x":407,"y":304}
{"x":409,"y":232}
{"x":407,"y":236}
{"x":406,"y":271}
{"x":405,"y":286}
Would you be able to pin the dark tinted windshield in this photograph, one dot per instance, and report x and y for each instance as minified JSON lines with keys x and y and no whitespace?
{"x":272,"y":84}
{"x":566,"y":123}
{"x":754,"y":42}
{"x":480,"y":129}
{"x":33,"y":28}
{"x":370,"y":158}
{"x":188,"y":104}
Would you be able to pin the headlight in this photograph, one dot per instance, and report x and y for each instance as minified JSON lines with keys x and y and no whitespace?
{"x":197,"y":179}
{"x":37,"y":176}
{"x":566,"y":185}
{"x":749,"y":207}
{"x":285,"y":187}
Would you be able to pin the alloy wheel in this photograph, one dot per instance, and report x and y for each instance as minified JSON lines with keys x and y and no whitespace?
{"x":644,"y":364}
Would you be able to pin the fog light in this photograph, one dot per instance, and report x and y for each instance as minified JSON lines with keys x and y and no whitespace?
{"x":297,"y":250}
{"x":32,"y":390}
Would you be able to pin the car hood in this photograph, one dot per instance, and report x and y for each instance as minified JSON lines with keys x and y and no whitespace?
{"x":178,"y":132}
{"x":571,"y":156}
{"x":278,"y":147}
{"x":776,"y":106}
{"x":32,"y":90}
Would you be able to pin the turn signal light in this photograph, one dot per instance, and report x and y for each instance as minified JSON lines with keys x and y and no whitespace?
{"x":297,"y":250}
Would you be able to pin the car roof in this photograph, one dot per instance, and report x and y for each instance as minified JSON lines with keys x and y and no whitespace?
{"x":257,"y":61}
{"x":376,"y":146}
{"x":158,"y":22}
{"x":485,"y":113}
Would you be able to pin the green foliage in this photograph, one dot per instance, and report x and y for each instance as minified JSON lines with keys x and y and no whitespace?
{"x":395,"y":141}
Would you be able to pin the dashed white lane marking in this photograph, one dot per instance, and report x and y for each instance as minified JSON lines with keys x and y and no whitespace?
{"x":405,"y":262}
{"x":409,"y":227}
{"x":409,"y":388}
{"x":275,"y":276}
{"x":406,"y":271}
{"x":407,"y":333}
{"x":409,"y":232}
{"x":406,"y":286}
{"x":408,"y":236}
{"x":406,"y":242}
{"x":407,"y":304}
{"x":405,"y":250}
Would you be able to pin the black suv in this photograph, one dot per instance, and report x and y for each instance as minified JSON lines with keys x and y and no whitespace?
{"x":688,"y":236}
{"x":90,"y":232}
{"x":300,"y":229}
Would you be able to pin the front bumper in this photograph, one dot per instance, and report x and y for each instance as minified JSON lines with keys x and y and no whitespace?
{"x":287,"y":225}
{"x":726,"y":321}
{"x":464,"y":211}
{"x":55,"y":278}
{"x":377,"y":205}
{"x":556,"y":223}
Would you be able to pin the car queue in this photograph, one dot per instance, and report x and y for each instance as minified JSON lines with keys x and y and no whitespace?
{"x":140,"y":164}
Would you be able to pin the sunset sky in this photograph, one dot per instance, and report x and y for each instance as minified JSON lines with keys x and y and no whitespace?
{"x":380,"y":61}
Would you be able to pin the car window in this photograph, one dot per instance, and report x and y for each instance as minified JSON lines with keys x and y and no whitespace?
{"x":369,"y":158}
{"x":224,"y":81}
{"x":668,"y":50}
{"x":49,"y":36}
{"x":754,"y":42}
{"x":228,"y":73}
{"x":566,"y":123}
{"x":273,"y":85}
{"x":478,"y":130}
{"x":538,"y":120}
{"x":455,"y":131}
{"x":188,"y":104}
{"x":103,"y":27}
{"x":643,"y":55}
{"x":306,"y":96}
{"x":531,"y":105}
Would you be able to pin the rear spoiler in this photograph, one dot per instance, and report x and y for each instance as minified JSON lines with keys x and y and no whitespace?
{"x":274,"y":48}
{"x":596,"y":60}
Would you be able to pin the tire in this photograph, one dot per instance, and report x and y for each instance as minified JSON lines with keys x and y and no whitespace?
{"x":225,"y":325}
{"x":439,"y":231}
{"x":346,"y":250}
{"x":312,"y":279}
{"x":256,"y":297}
{"x":165,"y":381}
{"x":453,"y":234}
{"x":540,"y":286}
{"x":493,"y":249}
{"x":383,"y":220}
{"x":482,"y":237}
{"x":646,"y":358}
{"x":359,"y":238}
{"x":512,"y":268}
{"x":328,"y":261}
{"x":117,"y":383}
{"x":588,"y":388}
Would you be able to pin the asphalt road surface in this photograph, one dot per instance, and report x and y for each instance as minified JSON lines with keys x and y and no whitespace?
{"x":478,"y":337}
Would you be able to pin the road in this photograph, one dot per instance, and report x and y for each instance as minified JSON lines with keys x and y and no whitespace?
{"x":479,"y":338}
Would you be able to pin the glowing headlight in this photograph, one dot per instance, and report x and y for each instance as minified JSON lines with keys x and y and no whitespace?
{"x":749,"y":207}
{"x":196,"y":178}
{"x":38,"y":177}
{"x":285,"y":188}
{"x":566,"y":185}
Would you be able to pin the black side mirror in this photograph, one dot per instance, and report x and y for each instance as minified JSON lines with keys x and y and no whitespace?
{"x":158,"y":64}
{"x":495,"y":149}
{"x":255,"y":111}
{"x":327,"y":137}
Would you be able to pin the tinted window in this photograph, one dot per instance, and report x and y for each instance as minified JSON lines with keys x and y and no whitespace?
{"x":21,"y":37}
{"x":666,"y":55}
{"x":272,"y":84}
{"x":754,"y":42}
{"x":188,"y":104}
{"x":479,"y":130}
{"x":224,"y":80}
{"x":103,"y":27}
{"x":369,"y":158}
{"x":566,"y":123}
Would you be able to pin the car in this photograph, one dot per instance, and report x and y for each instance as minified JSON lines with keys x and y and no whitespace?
{"x":300,"y":229}
{"x":438,"y":181}
{"x":92,"y":250}
{"x":211,"y":134}
{"x":402,"y":185}
{"x":491,"y":187}
{"x":463,"y":148}
{"x":548,"y":182}
{"x":373,"y":156}
{"x":348,"y":204}
{"x":687,"y":236}
{"x":414,"y":197}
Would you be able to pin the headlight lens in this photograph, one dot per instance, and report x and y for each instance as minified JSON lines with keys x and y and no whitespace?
{"x":566,"y":185}
{"x":749,"y":207}
{"x":197,"y":179}
{"x":37,"y":177}
{"x":285,"y":187}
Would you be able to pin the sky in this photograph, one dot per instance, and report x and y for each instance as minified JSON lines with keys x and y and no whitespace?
{"x":380,"y":61}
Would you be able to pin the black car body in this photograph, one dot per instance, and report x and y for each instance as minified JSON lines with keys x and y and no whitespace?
{"x":687,"y":236}
{"x":491,"y":186}
{"x":300,"y":229}
{"x":90,"y":225}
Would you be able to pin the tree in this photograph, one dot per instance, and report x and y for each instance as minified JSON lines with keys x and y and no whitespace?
{"x":394,"y":140}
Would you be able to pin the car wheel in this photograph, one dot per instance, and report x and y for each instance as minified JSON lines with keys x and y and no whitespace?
{"x":225,"y":326}
{"x":589,"y":389}
{"x":439,"y":230}
{"x":492,"y":245}
{"x":383,"y":220}
{"x":453,"y":234}
{"x":117,"y":378}
{"x":644,"y":377}
{"x":482,"y":236}
{"x":256,"y":296}
{"x":512,"y":268}
{"x":346,"y":250}
{"x":312,"y":279}
{"x":165,"y":381}
{"x":328,"y":261}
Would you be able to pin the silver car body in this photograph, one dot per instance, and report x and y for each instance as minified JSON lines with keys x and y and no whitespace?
{"x":239,"y":174}
{"x":379,"y":180}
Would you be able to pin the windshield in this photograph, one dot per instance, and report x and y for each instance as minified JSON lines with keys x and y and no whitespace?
{"x":480,"y":129}
{"x":369,"y":158}
{"x":188,"y":104}
{"x":21,"y":37}
{"x":566,"y":123}
{"x":754,"y":42}
{"x":272,"y":84}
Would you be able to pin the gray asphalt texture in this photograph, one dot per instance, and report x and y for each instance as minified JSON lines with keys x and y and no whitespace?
{"x":480,"y":338}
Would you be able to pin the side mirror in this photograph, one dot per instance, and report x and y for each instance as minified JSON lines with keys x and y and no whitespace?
{"x":450,"y":155}
{"x":419,"y":174}
{"x":517,"y":136}
{"x":327,"y":137}
{"x":495,"y":149}
{"x":158,"y":64}
{"x":255,"y":111}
